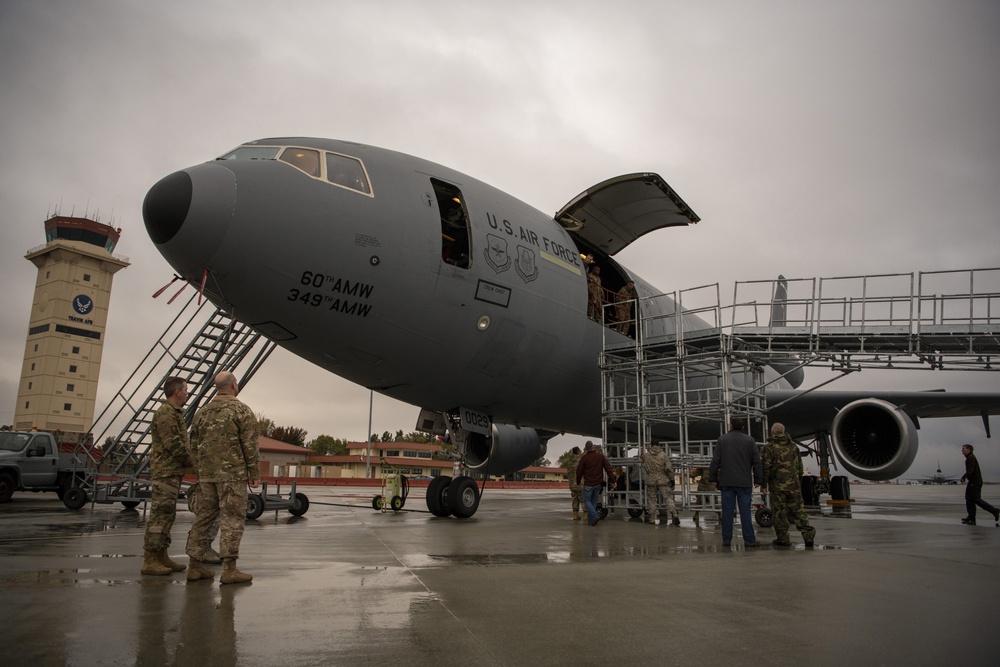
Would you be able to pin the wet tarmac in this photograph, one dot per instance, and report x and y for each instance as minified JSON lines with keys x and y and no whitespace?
{"x":895,"y":580}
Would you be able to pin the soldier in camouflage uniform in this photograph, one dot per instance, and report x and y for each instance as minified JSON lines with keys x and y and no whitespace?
{"x":624,"y":308}
{"x":169,"y":459}
{"x":595,"y":297}
{"x":659,"y":476}
{"x":705,"y":486}
{"x":224,"y":443}
{"x":575,"y":488}
{"x":782,"y":479}
{"x":212,"y":556}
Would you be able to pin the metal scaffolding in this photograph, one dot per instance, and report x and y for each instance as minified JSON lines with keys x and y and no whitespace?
{"x":685,"y":377}
{"x":117,"y":460}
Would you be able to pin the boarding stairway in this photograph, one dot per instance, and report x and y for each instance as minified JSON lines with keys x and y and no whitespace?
{"x":192,"y":348}
{"x":688,"y":376}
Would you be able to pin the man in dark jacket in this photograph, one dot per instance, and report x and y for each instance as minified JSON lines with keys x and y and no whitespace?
{"x":591,"y":469}
{"x":974,"y":489}
{"x":736,"y":467}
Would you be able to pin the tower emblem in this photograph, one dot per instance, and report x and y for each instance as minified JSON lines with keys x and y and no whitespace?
{"x":83,"y":304}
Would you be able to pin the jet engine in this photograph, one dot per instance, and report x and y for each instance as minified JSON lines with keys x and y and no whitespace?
{"x":508,"y":449}
{"x":874,"y":439}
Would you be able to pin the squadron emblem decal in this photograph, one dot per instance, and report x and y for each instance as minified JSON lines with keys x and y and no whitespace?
{"x":526,"y":266}
{"x":496,"y":253}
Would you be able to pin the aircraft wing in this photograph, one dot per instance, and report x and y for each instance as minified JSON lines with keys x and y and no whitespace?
{"x":614,"y":213}
{"x":814,"y":411}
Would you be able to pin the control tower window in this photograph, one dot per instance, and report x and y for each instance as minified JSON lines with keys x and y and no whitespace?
{"x":304,"y":159}
{"x":347,"y":172}
{"x":455,"y":243}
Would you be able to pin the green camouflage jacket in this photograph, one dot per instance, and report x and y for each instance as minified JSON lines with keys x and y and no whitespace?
{"x":170,"y":454}
{"x":224,"y":441}
{"x":782,"y":463}
{"x":571,"y":463}
{"x":656,"y":467}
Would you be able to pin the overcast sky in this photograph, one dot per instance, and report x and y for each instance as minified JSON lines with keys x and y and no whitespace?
{"x":812,"y":138}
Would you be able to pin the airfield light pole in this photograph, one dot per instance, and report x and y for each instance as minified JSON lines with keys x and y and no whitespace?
{"x":368,"y":462}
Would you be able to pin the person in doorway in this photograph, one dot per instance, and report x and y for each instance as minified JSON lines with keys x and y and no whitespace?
{"x":736,"y":467}
{"x":595,"y":299}
{"x":224,"y":442}
{"x":590,"y":470}
{"x":625,"y":308}
{"x":974,"y":489}
{"x":782,"y":467}
{"x":169,"y":459}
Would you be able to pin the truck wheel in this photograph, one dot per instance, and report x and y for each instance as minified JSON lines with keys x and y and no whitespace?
{"x":75,"y":498}
{"x":6,"y":487}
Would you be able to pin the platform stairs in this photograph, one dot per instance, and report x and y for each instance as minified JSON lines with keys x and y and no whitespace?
{"x":191,"y":347}
{"x":684,"y":378}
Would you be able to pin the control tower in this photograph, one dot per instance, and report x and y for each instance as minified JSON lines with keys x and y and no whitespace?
{"x":69,"y":313}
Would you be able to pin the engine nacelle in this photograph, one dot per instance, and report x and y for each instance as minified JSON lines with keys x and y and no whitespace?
{"x":874,"y":439}
{"x":508,"y":449}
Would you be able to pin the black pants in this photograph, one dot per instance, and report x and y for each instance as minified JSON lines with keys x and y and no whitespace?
{"x":973,"y":497}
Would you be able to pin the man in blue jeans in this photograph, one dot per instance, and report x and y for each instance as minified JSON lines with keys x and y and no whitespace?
{"x":591,"y":469}
{"x":736,"y":466}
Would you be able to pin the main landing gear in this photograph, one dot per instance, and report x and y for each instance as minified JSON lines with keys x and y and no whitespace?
{"x":458,"y":496}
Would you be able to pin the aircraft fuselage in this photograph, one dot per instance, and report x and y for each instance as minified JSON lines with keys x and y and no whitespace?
{"x":405,"y":277}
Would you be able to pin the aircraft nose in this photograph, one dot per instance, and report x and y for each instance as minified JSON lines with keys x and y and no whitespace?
{"x":188,"y":213}
{"x":166,"y":206}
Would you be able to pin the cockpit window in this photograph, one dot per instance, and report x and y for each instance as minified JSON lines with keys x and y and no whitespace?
{"x":305,"y":159}
{"x":342,"y":170}
{"x":347,"y":172}
{"x":252,"y":153}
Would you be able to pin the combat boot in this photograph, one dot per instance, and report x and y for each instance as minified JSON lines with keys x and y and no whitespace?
{"x":576,"y":515}
{"x":164,"y":560}
{"x":230,"y":575}
{"x":676,"y":520}
{"x":151,"y":565}
{"x":212,"y":557}
{"x":196,"y":571}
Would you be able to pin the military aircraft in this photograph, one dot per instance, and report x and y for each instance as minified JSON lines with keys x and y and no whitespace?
{"x":938,"y":478}
{"x":434,"y":288}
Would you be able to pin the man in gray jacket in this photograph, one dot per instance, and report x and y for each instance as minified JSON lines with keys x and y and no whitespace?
{"x":736,"y":466}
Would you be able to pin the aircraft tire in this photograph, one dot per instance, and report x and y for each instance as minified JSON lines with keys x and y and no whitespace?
{"x":840,"y":488}
{"x":300,"y":505}
{"x":255,"y":506}
{"x":463,"y":497}
{"x":810,"y":496}
{"x":764,"y":517}
{"x":74,"y":498}
{"x":437,"y":496}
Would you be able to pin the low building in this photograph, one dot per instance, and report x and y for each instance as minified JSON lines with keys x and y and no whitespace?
{"x":280,"y":459}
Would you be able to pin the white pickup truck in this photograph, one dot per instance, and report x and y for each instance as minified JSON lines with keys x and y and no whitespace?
{"x":32,"y":461}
